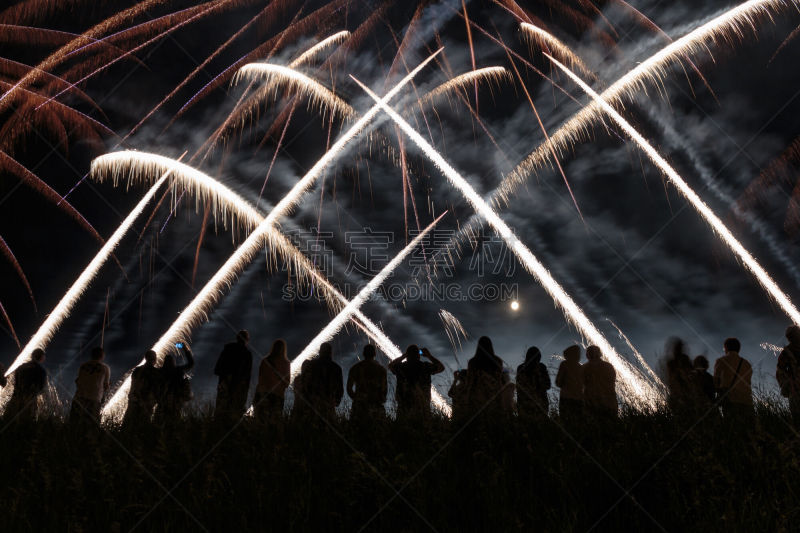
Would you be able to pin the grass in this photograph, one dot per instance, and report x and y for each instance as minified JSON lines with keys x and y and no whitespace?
{"x":643,"y":472}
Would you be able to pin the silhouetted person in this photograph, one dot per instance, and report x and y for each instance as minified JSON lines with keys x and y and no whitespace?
{"x":413,"y":392}
{"x":274,"y":374}
{"x":570,"y":380}
{"x":599,"y":379}
{"x":92,"y":384}
{"x":322,"y":383}
{"x":176,"y":387}
{"x":30,"y":379}
{"x":366,"y":386}
{"x":233,"y":368}
{"x":3,"y":379}
{"x":533,"y":382}
{"x":459,"y":394}
{"x":732,"y":376}
{"x":679,"y":377}
{"x":703,"y":383}
{"x":144,"y":392}
{"x":485,"y":384}
{"x":788,"y":372}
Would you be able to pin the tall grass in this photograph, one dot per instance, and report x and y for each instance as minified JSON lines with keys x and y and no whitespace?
{"x":643,"y":472}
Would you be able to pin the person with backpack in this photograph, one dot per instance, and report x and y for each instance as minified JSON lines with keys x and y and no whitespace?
{"x":732,"y":377}
{"x":176,"y":386}
{"x":233,"y":367}
{"x":92,"y":384}
{"x":788,"y":372}
{"x":533,"y":382}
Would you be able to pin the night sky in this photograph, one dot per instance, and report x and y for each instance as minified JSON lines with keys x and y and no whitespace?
{"x":637,"y":254}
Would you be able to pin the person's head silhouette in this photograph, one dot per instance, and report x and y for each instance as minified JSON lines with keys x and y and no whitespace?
{"x":326,"y":351}
{"x":369,"y":352}
{"x":169,"y":362}
{"x":150,"y":358}
{"x":732,"y":344}
{"x":413,"y":352}
{"x":533,"y":356}
{"x":573,"y":353}
{"x":278,"y":350}
{"x":243,"y":337}
{"x":485,"y":348}
{"x":98,"y":353}
{"x":700,"y":363}
{"x":37,"y":355}
{"x":593,"y":353}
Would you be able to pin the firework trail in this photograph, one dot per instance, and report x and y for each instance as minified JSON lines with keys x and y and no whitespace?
{"x":638,"y":388}
{"x":240,"y":112}
{"x":62,"y":310}
{"x":549,"y":43}
{"x":716,"y":224}
{"x":487,"y":74}
{"x":6,"y":250}
{"x":455,"y":331}
{"x":642,"y":363}
{"x":202,"y":304}
{"x":276,"y":75}
{"x":333,"y":327}
{"x":7,"y":320}
{"x":739,"y":210}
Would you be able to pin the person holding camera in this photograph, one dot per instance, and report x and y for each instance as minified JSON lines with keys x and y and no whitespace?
{"x":413,"y":393}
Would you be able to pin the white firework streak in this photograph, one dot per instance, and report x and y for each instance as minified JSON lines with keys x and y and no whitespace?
{"x":319,"y":96}
{"x":202,"y":304}
{"x":633,"y":384}
{"x":453,"y":328}
{"x":312,"y":52}
{"x":716,"y":224}
{"x":637,"y":355}
{"x":140,"y":165}
{"x":62,"y":310}
{"x":544,"y":39}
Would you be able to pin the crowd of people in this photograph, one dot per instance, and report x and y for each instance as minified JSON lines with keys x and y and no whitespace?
{"x":485,"y":387}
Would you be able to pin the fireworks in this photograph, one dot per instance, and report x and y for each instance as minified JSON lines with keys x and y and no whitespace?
{"x":277,"y":75}
{"x":200,"y":307}
{"x":62,"y":310}
{"x":333,"y":327}
{"x":639,"y":389}
{"x":486,"y":74}
{"x":454,"y":329}
{"x":716,"y":224}
{"x":551,"y":44}
{"x":650,"y":72}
